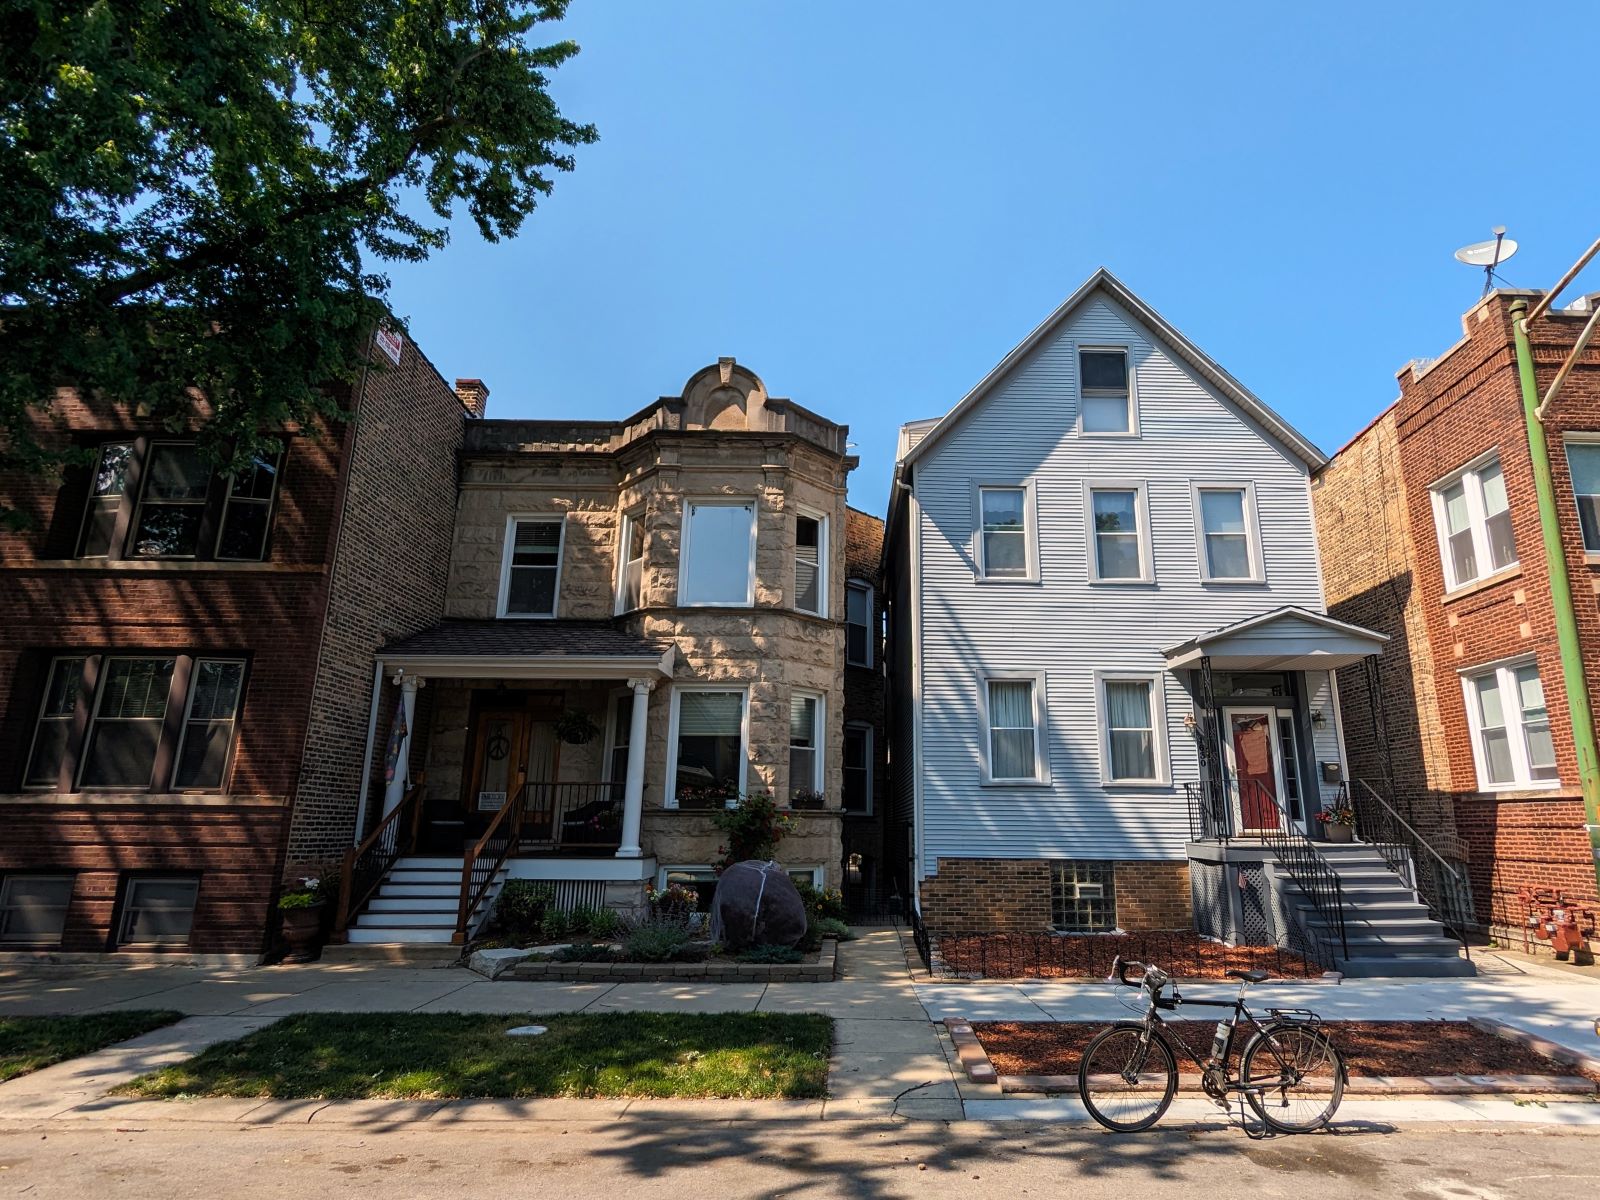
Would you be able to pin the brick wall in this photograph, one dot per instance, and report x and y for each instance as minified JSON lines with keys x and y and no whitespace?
{"x":1012,"y":895}
{"x":388,"y":580}
{"x":1153,"y":895}
{"x":864,"y":703}
{"x":1516,"y":844}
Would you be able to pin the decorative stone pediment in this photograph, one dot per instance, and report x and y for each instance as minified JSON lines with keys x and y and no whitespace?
{"x":725,"y":395}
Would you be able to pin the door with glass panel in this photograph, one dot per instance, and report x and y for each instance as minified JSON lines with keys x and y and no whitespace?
{"x":1255,"y":767}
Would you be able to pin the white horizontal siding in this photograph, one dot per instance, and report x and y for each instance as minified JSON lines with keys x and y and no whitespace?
{"x":1068,"y":627}
{"x":1325,"y":740}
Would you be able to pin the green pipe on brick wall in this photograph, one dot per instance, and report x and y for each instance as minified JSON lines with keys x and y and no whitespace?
{"x":1572,"y":673}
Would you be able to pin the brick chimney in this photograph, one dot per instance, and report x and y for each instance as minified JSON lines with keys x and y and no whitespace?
{"x":474,"y":396}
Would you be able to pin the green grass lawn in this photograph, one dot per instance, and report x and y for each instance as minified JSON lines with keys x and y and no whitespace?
{"x":451,"y":1055}
{"x":29,"y":1043}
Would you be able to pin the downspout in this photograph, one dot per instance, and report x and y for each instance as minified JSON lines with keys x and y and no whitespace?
{"x":1572,"y":672}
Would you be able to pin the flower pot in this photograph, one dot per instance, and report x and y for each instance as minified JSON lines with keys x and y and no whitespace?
{"x":1342,"y":834}
{"x":302,"y":932}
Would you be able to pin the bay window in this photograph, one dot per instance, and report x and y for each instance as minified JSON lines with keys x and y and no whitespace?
{"x":718,"y":559}
{"x":709,"y":748}
{"x":805,"y":744}
{"x":811,"y":564}
{"x":630,"y":573}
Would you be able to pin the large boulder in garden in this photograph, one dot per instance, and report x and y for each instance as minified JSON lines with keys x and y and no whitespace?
{"x":756,"y":904}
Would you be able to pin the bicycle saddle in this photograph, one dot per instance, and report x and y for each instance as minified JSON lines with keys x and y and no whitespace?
{"x":1248,"y":976}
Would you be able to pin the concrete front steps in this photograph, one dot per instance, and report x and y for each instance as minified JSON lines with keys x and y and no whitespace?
{"x":415,"y":905}
{"x":1387,"y":928}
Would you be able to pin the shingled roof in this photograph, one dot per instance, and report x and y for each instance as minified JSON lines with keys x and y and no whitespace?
{"x":525,"y":639}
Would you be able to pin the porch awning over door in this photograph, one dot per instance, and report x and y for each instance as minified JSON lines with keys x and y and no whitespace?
{"x":519,"y":649}
{"x":1284,"y":639}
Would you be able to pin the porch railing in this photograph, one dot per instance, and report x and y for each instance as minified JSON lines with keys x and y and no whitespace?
{"x":572,"y":817}
{"x":484,"y":860}
{"x":1211,"y":820}
{"x":1438,"y":884}
{"x":365,"y":866}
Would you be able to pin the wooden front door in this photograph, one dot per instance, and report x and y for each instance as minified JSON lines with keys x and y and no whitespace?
{"x":508,"y":747}
{"x":1255,"y":765}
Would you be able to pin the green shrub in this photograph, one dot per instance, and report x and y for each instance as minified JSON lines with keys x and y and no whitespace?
{"x":601,"y":924}
{"x":656,"y":941}
{"x":827,"y":903}
{"x":813,"y":936}
{"x":771,"y":954}
{"x":521,"y":908}
{"x":832,"y":927}
{"x":556,"y":926}
{"x":584,"y":952}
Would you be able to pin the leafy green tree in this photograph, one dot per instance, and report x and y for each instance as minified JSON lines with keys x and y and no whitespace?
{"x":197,"y":196}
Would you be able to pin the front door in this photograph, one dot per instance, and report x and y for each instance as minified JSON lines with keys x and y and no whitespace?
{"x":1255,"y":765}
{"x":499,"y":748}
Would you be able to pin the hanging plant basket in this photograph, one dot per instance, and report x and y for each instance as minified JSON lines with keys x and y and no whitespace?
{"x":576,"y":728}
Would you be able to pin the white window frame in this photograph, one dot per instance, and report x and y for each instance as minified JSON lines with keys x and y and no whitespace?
{"x":865,"y":728}
{"x":1041,"y":756}
{"x":195,"y":663}
{"x":819,"y":768}
{"x":506,"y":549}
{"x":1133,"y":390}
{"x":860,"y":586}
{"x":1477,"y":522}
{"x":1506,"y":670}
{"x":824,"y":549}
{"x":1158,"y":731}
{"x":1141,"y":508}
{"x":818,"y":872}
{"x":686,"y":551}
{"x":614,"y":726}
{"x":630,"y":521}
{"x":1030,"y":530}
{"x":1592,"y":441}
{"x":1252,"y":529}
{"x":670,"y":798}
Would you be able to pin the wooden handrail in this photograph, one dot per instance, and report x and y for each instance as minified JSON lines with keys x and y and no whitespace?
{"x":409,"y":811}
{"x":472,"y":894}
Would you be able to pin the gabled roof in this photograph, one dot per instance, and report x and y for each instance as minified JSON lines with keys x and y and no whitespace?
{"x":1287,"y":637}
{"x":1103,"y":281}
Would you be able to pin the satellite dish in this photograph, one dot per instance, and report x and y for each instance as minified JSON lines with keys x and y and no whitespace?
{"x":1488,"y":255}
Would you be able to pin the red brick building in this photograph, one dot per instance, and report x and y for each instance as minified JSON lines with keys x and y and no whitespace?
{"x":186,"y":661}
{"x":1429,"y":529}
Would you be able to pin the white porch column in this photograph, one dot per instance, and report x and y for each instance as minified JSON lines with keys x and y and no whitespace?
{"x":395,"y":789}
{"x":633,"y":789}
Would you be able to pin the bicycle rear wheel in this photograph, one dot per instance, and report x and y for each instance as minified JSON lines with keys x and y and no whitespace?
{"x":1294,"y":1077}
{"x":1127,"y":1077}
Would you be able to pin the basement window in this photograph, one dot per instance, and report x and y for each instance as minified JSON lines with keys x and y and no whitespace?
{"x":1083,"y":896}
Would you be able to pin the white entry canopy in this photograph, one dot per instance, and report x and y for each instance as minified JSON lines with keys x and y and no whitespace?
{"x":1285,"y":639}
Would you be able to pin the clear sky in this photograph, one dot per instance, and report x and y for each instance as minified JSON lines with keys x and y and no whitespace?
{"x":869,"y":204}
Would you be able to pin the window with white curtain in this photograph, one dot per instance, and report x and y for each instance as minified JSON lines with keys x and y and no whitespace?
{"x":1013,"y":730}
{"x":718,"y":559}
{"x":709,"y":752}
{"x":1473,"y":516}
{"x":1003,"y":533}
{"x":1511,"y":744}
{"x":1130,"y":713}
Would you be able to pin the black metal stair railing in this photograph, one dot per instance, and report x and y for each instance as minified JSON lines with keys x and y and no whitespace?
{"x":1306,"y":866}
{"x":1438,"y":884}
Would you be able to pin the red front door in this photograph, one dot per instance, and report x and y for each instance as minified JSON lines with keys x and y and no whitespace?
{"x":1254,"y":759}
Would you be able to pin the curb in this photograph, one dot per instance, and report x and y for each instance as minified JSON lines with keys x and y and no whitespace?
{"x":981,"y":1069}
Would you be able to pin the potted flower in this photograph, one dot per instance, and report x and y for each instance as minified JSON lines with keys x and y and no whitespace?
{"x":1338,"y":823}
{"x":807,"y":798}
{"x":576,"y":728}
{"x":302,"y":919}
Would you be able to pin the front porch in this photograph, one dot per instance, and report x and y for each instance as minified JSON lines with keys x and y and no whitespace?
{"x":513,"y":743}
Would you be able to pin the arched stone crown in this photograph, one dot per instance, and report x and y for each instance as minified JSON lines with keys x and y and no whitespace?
{"x":725,"y":395}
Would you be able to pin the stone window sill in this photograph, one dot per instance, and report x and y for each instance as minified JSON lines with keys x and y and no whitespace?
{"x":138,"y":566}
{"x":1480,"y":585}
{"x":142,"y":799}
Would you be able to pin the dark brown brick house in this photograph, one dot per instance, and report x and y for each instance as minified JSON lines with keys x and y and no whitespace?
{"x":186,"y":660}
{"x":870,"y":878}
{"x":1429,"y":530}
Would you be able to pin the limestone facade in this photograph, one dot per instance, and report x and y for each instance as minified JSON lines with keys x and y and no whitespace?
{"x":722,"y":438}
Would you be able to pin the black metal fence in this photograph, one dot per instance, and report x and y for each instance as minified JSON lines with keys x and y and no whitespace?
{"x":1183,"y":952}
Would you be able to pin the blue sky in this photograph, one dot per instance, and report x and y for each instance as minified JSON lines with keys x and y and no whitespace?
{"x":869,"y":204}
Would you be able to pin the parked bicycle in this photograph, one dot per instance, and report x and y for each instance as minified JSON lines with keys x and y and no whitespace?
{"x":1291,"y":1074}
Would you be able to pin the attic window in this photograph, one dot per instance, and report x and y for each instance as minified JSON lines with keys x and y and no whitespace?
{"x":1105,"y":400}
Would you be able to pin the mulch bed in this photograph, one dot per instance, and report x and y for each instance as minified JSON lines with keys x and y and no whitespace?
{"x":1371,"y":1048}
{"x":1184,"y":953}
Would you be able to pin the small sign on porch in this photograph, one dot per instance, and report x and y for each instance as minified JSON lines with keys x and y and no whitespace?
{"x":491,"y":801}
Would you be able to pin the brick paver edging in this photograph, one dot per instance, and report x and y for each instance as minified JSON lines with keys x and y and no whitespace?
{"x":980,"y":1069}
{"x":821,"y":971}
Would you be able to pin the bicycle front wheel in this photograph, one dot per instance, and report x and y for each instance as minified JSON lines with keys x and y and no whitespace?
{"x":1127,"y":1077}
{"x":1293,"y":1076}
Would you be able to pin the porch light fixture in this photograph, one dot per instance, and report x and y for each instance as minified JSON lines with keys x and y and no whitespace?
{"x":1318,"y":719}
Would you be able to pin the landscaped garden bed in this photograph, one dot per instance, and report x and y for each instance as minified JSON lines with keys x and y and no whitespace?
{"x":430,"y":1056}
{"x":32,"y":1043}
{"x":1380,"y":1055}
{"x":1184,"y":953}
{"x":698,"y":961}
